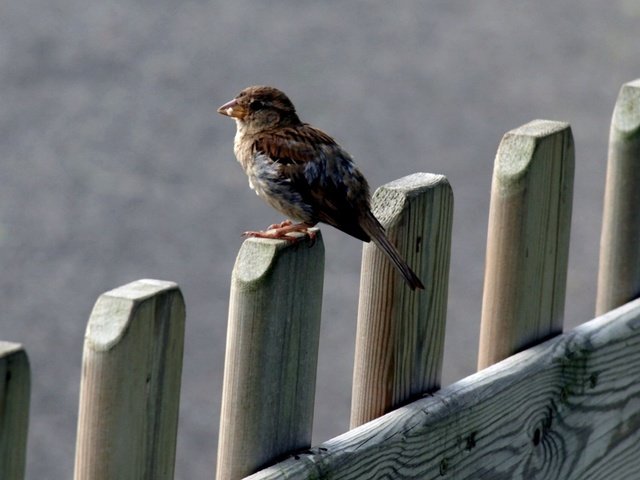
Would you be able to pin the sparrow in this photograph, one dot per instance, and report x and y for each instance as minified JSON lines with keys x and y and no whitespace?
{"x":303,"y":173}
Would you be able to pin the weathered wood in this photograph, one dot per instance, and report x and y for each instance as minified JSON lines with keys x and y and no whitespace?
{"x":619,"y":273}
{"x":567,"y":409}
{"x":528,"y":239}
{"x":272,"y":352}
{"x":14,"y":409}
{"x":400,"y":337}
{"x":130,"y":390}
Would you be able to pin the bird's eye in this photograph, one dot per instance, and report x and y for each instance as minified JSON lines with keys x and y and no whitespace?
{"x":256,"y":105}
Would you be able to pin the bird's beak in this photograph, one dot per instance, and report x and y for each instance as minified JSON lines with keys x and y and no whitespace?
{"x":232,"y":109}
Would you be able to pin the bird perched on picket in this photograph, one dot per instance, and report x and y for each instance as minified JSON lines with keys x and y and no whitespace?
{"x":303,"y":173}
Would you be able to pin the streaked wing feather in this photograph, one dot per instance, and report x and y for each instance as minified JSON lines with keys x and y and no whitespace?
{"x":322,"y":173}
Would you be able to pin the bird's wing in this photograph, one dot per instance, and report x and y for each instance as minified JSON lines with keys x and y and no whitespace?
{"x":322,"y":173}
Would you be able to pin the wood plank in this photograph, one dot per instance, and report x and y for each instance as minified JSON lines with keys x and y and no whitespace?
{"x":400,"y":334}
{"x":619,"y":272}
{"x":15,"y":389}
{"x":568,"y":408}
{"x":528,"y":239}
{"x":272,"y":352}
{"x":130,"y":389}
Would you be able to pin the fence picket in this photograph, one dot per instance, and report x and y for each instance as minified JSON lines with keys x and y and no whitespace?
{"x":271,"y":353}
{"x":528,"y":239}
{"x":619,"y":272}
{"x":400,"y":339}
{"x":15,"y":388}
{"x":130,"y":389}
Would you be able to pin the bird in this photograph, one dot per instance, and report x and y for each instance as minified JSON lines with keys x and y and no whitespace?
{"x":303,"y":173}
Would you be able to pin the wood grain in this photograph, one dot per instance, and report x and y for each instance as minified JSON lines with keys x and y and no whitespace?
{"x":400,"y":333}
{"x":619,"y":272}
{"x":271,"y":354}
{"x":567,"y":409}
{"x":14,"y":409}
{"x":528,"y":239}
{"x":130,"y":389}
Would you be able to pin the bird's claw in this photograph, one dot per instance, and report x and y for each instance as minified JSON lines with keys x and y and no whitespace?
{"x":276,"y":226}
{"x":280,"y":231}
{"x":271,"y":233}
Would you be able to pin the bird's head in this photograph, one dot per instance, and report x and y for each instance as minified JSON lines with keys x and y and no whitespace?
{"x":261,"y":108}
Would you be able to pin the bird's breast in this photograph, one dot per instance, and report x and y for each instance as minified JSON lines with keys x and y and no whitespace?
{"x":267,"y":179}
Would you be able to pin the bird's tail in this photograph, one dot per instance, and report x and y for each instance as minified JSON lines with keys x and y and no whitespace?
{"x":373,"y":228}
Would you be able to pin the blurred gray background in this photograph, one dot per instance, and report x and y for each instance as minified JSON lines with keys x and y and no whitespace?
{"x":114,"y":165}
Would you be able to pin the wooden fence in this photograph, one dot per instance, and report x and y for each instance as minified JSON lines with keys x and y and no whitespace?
{"x":544,"y":405}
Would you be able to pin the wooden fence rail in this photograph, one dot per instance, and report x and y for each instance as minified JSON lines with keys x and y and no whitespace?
{"x":565,"y":409}
{"x":568,"y":408}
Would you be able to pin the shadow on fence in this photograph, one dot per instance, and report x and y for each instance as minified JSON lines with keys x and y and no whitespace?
{"x":565,"y":406}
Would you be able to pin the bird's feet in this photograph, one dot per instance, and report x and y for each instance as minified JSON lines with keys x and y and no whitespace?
{"x":275,"y":226}
{"x":281,"y":231}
